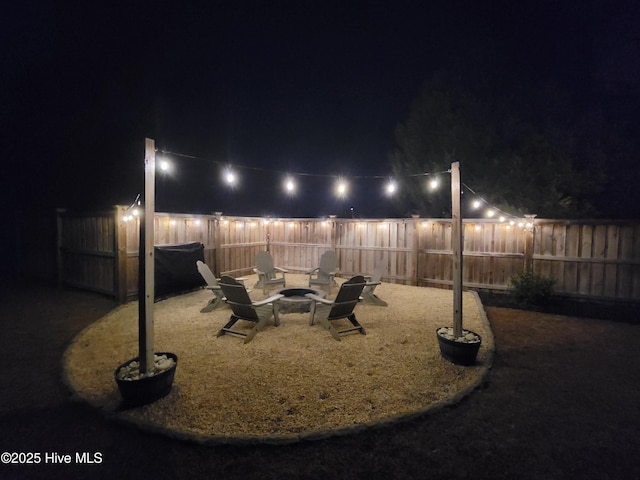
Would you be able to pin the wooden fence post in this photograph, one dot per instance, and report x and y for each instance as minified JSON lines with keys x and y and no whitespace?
{"x":332,"y":224}
{"x":414,"y":250}
{"x":217,"y":243}
{"x":120,"y":252}
{"x":528,"y":244}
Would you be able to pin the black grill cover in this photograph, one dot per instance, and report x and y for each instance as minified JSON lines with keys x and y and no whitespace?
{"x":175,"y":268}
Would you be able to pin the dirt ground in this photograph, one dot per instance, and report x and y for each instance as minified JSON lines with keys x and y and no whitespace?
{"x":562,"y":402}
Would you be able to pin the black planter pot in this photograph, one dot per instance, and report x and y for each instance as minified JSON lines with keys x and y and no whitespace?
{"x":149,"y":389}
{"x":460,"y":353}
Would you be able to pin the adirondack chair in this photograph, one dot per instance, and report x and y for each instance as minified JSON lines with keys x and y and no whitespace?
{"x":268,"y":274}
{"x":243,"y":308}
{"x":324,"y":275}
{"x":327,"y":311}
{"x":212,"y":284}
{"x":373,"y":281}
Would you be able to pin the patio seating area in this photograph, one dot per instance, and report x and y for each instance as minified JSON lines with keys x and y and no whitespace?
{"x":293,"y":381}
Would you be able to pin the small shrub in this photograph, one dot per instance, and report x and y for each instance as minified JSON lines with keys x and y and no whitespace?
{"x":531,"y":288}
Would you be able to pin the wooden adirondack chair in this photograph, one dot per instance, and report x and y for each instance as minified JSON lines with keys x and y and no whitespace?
{"x":324,"y":275}
{"x":327,"y":311}
{"x":373,"y":281}
{"x":244,"y":308}
{"x":268,"y":274}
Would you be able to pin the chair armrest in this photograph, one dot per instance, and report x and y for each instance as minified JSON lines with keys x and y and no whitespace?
{"x":257,"y":271}
{"x":319,"y":299}
{"x":271,"y":299}
{"x":280,"y":269}
{"x":309,"y":272}
{"x":371,"y":284}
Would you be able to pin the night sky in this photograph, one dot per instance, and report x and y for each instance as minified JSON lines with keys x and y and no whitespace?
{"x":304,"y":87}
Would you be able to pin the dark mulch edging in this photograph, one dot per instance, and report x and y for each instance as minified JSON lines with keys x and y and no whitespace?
{"x":604,"y":310}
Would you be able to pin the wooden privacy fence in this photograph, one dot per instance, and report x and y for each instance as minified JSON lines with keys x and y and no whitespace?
{"x":588,"y":259}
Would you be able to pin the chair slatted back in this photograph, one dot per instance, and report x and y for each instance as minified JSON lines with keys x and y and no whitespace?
{"x":206,"y":274}
{"x":238,"y":298}
{"x":264,"y":263}
{"x":347,"y":298}
{"x":328,"y":262}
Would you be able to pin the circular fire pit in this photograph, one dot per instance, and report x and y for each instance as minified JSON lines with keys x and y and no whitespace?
{"x":294,"y":300}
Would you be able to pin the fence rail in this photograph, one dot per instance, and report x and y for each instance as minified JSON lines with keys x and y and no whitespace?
{"x":588,"y":259}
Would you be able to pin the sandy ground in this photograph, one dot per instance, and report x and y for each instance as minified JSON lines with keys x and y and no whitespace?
{"x":291,"y":382}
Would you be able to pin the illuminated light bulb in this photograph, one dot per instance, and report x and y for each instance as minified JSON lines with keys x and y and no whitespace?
{"x":197,"y":222}
{"x":521,"y":224}
{"x":490,"y":213}
{"x":289,"y":185}
{"x":341,"y":188}
{"x":502,"y":219}
{"x":135,"y":212}
{"x":165,"y":166}
{"x":529,"y":225}
{"x":476,"y":204}
{"x":512,"y":222}
{"x":477,"y":228}
{"x":433,"y":184}
{"x":230,"y":177}
{"x":391,"y":187}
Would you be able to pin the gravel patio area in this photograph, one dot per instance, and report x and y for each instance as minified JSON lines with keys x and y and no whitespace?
{"x":290,"y":382}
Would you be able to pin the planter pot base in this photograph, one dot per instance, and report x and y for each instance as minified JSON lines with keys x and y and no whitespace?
{"x":148,"y":389}
{"x":460,"y":353}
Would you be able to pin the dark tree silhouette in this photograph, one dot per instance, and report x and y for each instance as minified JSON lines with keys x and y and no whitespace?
{"x":518,"y":149}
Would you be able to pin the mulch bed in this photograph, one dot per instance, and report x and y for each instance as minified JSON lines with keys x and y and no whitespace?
{"x":561,"y":402}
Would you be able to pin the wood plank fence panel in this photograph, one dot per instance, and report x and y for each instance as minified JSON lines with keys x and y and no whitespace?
{"x":591,"y":259}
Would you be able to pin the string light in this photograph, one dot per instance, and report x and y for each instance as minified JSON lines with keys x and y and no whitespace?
{"x":341,"y":188}
{"x":391,"y":187}
{"x":341,"y":185}
{"x":289,"y":186}
{"x":230,"y":177}
{"x":165,"y":166}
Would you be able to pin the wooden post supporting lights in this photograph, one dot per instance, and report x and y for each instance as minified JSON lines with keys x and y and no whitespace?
{"x":457,"y":345}
{"x":149,"y":376}
{"x":456,"y":246}
{"x":147,"y":261}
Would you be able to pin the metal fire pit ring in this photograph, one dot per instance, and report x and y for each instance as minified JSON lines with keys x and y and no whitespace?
{"x":294,"y":300}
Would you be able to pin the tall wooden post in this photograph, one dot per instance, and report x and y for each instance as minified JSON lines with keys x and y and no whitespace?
{"x":146,"y":290}
{"x":120,"y":249}
{"x":456,"y":247}
{"x":528,"y":244}
{"x":217,"y":243}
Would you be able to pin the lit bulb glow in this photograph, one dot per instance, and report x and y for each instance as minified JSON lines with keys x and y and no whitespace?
{"x":230,"y":178}
{"x":341,"y":188}
{"x":289,"y":186}
{"x":391,"y":187}
{"x":433,"y":184}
